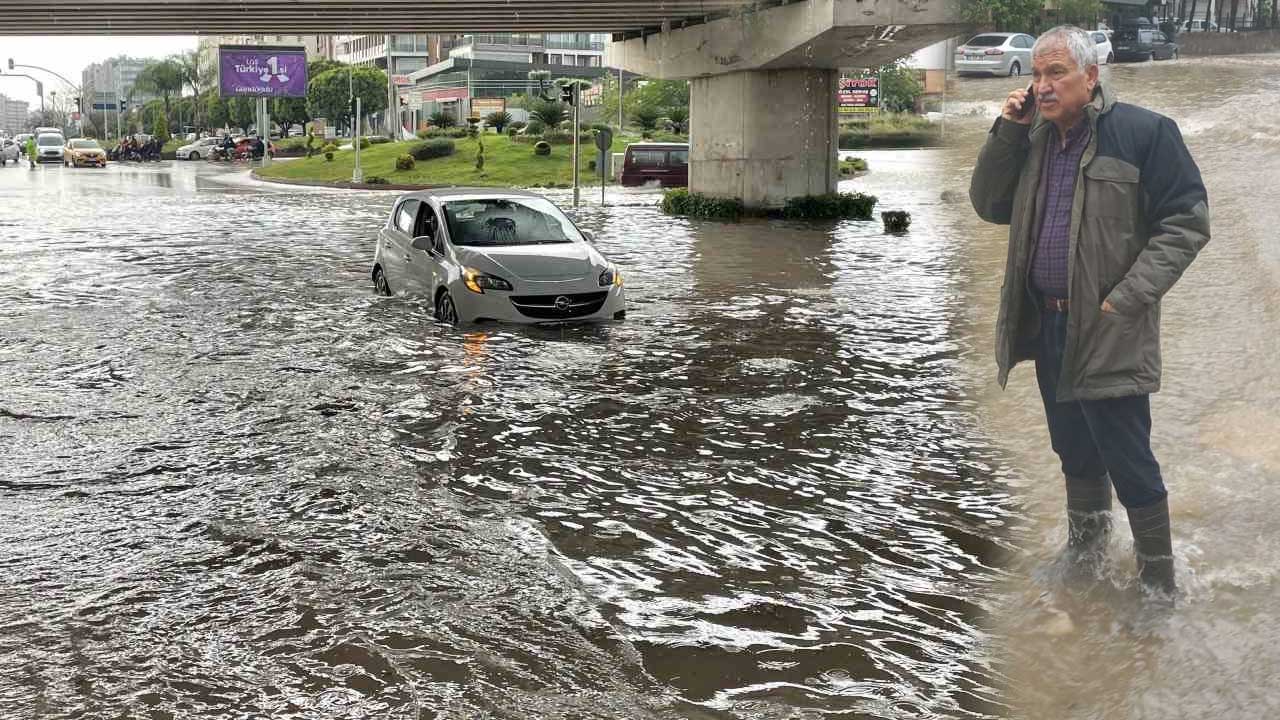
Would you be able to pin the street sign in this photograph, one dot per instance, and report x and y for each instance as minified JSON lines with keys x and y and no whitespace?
{"x":485,"y":106}
{"x":604,"y":139}
{"x":401,"y":80}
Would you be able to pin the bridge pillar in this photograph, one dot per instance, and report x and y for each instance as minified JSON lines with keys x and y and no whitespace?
{"x":763,"y":84}
{"x":763,"y":136}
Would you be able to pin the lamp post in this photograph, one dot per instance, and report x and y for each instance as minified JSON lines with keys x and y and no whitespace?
{"x":39,"y":86}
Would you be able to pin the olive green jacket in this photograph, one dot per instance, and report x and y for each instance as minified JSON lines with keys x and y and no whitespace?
{"x":1139,"y":216}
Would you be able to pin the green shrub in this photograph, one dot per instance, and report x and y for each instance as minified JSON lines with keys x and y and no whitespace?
{"x":564,"y":138}
{"x":441,"y":119}
{"x":852,"y":165}
{"x":534,"y":127}
{"x":646,"y":116}
{"x":682,"y":202}
{"x":498,"y":120}
{"x":405,"y":162}
{"x":378,"y":140}
{"x":423,"y":134}
{"x":518,"y":125}
{"x":856,"y":206}
{"x":431,"y":149}
{"x":364,"y":143}
{"x":542,"y":148}
{"x":329,"y":149}
{"x":458,"y":132}
{"x":375,"y":180}
{"x":591,"y":165}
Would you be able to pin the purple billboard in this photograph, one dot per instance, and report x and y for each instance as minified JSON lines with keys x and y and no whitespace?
{"x":259,"y":71}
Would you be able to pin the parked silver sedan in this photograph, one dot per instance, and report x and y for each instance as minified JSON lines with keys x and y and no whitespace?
{"x":995,"y":54}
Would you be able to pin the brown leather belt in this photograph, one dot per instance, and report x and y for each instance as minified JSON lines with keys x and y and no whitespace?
{"x":1053,"y":304}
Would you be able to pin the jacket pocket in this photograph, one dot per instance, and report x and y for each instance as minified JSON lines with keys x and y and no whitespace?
{"x":1111,"y":189}
{"x":1116,"y":347}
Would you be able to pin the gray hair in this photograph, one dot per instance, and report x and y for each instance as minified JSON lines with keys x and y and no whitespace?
{"x":1077,"y":42}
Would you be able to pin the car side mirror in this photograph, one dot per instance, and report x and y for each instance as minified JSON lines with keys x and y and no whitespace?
{"x":590,"y":236}
{"x":423,"y":242}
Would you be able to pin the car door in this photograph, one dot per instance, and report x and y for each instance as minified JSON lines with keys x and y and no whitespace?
{"x":1025,"y":43}
{"x":423,"y":267}
{"x":396,"y":241}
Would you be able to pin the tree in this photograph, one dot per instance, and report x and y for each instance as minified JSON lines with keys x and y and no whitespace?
{"x":498,"y":120}
{"x":216,"y":112}
{"x":678,"y":117}
{"x":160,"y":125}
{"x":189,"y":68}
{"x":550,"y":114}
{"x":662,"y":95}
{"x":900,"y":87}
{"x":1083,"y":13}
{"x":1017,"y":15}
{"x":242,"y":111}
{"x":327,"y":93}
{"x":163,"y":78}
{"x":289,"y":112}
{"x":646,"y":116}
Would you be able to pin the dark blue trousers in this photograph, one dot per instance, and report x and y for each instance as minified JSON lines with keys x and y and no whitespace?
{"x":1097,"y":437}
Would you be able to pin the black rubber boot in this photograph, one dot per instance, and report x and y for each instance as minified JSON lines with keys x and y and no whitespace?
{"x":1088,"y":515}
{"x":1153,"y":544}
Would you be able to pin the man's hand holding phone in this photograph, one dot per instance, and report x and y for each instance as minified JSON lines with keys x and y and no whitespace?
{"x":1020,"y":106}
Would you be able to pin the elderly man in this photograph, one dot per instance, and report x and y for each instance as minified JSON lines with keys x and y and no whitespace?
{"x":1105,"y":209}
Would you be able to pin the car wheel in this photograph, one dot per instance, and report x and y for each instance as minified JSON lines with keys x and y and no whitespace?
{"x":380,"y":285}
{"x":193,"y":156}
{"x":446,"y":311}
{"x":1015,"y":70}
{"x":1174,"y":56}
{"x":1111,"y":57}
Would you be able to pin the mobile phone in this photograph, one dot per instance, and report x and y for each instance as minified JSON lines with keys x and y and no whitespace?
{"x":1029,"y":103}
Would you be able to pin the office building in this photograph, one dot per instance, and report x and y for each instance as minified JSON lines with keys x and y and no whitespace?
{"x":13,"y":116}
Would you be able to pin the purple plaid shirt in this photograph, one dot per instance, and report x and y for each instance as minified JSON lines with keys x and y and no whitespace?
{"x":1049,"y":261}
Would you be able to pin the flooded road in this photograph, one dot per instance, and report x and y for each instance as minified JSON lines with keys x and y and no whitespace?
{"x":236,"y":478}
{"x":1089,"y":652}
{"x":240,"y":484}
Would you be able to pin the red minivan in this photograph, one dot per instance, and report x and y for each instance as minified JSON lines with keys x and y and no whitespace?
{"x":666,"y":164}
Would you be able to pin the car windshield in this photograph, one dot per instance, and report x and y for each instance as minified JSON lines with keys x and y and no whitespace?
{"x":1127,"y":35}
{"x":85,"y":145}
{"x":507,"y":221}
{"x":48,"y":141}
{"x":987,"y":41}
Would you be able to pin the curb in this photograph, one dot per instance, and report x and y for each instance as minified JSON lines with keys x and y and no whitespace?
{"x":344,"y":184}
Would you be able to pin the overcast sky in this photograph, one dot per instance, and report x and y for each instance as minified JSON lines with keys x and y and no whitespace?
{"x":70,"y":55}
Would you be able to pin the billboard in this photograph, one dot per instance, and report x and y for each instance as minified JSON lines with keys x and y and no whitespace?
{"x":262,"y":71}
{"x":859,"y":95}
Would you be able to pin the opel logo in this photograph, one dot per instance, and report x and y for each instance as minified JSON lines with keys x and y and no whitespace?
{"x":562,"y":303}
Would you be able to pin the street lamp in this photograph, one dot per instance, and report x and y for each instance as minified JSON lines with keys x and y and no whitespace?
{"x":70,"y":84}
{"x":39,"y":85}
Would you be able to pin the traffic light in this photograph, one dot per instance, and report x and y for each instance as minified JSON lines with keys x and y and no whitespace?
{"x":78,"y":108}
{"x":567,"y":94}
{"x":404,"y":102}
{"x":124,"y":104}
{"x":10,"y":63}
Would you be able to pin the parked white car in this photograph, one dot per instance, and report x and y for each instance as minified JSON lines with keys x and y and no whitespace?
{"x":504,"y":256}
{"x":197,"y":150}
{"x":1102,"y":43}
{"x":8,"y":151}
{"x":995,"y":54}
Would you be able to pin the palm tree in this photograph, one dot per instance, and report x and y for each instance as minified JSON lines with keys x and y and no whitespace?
{"x":161,"y":78}
{"x":550,"y":114}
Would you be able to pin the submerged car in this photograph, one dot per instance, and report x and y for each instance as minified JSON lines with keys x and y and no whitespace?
{"x":84,"y":152}
{"x":505,"y":256}
{"x":199,"y":149}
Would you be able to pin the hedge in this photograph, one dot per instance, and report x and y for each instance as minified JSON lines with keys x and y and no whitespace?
{"x":429,"y":149}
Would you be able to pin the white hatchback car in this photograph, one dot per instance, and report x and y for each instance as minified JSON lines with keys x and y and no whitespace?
{"x":504,"y":256}
{"x":8,"y":151}
{"x":1102,"y":43}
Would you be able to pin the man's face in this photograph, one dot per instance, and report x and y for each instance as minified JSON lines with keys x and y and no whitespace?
{"x":1062,"y":88}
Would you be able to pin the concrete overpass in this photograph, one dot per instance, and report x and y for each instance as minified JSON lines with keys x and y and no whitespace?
{"x":763,"y":125}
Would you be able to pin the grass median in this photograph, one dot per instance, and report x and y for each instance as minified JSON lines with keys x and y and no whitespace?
{"x":507,"y":164}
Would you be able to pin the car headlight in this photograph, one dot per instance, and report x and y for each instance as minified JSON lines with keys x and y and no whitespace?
{"x":611,"y":276}
{"x":478,"y":282}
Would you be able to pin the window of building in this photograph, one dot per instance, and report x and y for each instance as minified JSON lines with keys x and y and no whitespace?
{"x":554,"y":59}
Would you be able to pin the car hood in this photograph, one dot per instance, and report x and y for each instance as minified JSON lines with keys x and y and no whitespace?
{"x":89,"y":151}
{"x":537,"y":263}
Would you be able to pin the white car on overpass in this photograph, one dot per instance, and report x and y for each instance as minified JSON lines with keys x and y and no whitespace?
{"x":502,"y":256}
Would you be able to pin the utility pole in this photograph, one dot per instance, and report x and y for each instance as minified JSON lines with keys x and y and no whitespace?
{"x":357,"y":175}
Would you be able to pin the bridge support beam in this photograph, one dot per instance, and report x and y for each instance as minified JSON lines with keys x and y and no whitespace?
{"x":763,"y":94}
{"x":763,"y":136}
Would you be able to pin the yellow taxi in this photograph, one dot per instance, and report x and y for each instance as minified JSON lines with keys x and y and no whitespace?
{"x":84,"y":152}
